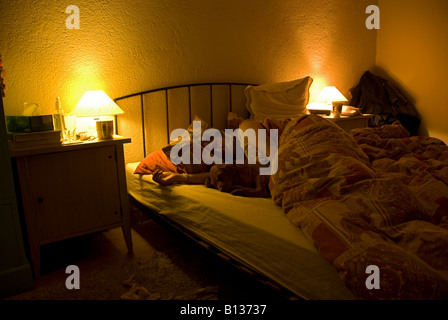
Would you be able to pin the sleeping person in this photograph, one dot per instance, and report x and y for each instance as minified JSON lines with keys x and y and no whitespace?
{"x":238,"y":178}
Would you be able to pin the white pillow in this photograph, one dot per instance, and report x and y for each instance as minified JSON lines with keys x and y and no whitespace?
{"x":278,"y":100}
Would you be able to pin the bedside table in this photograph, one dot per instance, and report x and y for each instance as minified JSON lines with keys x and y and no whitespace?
{"x":353,"y":122}
{"x":71,"y":190}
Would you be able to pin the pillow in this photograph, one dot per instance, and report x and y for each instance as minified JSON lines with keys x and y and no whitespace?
{"x":234,"y":120}
{"x":204,"y":126}
{"x":276,"y":123}
{"x":155,"y":161}
{"x":191,"y":167}
{"x":245,"y":142}
{"x":280,"y":100}
{"x":160,"y":159}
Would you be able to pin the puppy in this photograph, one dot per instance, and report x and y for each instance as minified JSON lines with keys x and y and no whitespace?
{"x":241,"y":180}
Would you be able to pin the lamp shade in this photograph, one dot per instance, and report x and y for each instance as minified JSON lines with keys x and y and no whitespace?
{"x":96,"y":103}
{"x":331,"y":94}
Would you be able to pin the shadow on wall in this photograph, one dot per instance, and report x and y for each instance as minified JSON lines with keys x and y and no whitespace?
{"x":422,"y":129}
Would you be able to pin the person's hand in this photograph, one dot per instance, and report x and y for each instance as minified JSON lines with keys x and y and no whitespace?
{"x":167,"y":178}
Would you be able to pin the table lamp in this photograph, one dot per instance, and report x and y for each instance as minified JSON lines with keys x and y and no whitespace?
{"x":334,"y":99}
{"x":103,"y":109}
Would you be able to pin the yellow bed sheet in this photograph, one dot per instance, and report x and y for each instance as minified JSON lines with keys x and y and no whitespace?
{"x":253,"y":231}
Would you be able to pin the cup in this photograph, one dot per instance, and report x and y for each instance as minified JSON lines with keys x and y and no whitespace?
{"x":337,"y":109}
{"x":69,"y":129}
{"x":105,"y":129}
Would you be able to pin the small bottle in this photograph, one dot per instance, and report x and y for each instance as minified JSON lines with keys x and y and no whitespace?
{"x":58,"y":118}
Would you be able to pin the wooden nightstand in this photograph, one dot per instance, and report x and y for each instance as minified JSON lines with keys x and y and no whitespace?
{"x":72,"y":190}
{"x":349,"y":123}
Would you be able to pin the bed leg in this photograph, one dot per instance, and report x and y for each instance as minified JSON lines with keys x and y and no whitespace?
{"x":126,"y":228}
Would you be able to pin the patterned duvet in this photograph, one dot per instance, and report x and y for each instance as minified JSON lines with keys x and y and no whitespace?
{"x":374,"y":197}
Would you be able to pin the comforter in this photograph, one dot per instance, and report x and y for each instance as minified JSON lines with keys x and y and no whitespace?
{"x":375,"y":199}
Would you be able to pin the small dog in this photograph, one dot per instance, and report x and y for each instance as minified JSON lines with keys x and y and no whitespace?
{"x":240,"y":180}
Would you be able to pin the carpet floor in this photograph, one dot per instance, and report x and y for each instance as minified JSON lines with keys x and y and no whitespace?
{"x":163,"y":267}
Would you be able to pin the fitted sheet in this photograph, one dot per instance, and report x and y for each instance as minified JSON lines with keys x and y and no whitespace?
{"x":253,"y":231}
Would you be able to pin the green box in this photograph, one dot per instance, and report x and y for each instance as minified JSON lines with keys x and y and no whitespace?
{"x":29,"y":123}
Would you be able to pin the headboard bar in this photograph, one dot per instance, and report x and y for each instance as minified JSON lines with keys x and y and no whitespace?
{"x":143,"y":125}
{"x":211,"y":105}
{"x":167,"y":115}
{"x":144,"y":111}
{"x":211,"y":84}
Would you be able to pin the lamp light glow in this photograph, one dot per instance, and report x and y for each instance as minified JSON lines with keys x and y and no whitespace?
{"x":96,"y":104}
{"x":318,"y":107}
{"x":334,"y":100}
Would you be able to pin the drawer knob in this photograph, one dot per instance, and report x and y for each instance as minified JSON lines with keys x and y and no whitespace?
{"x":40,"y":200}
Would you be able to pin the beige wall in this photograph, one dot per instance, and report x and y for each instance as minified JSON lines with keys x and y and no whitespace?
{"x":129,"y":46}
{"x":412,"y":50}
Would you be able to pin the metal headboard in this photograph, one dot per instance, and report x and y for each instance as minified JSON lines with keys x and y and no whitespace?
{"x":175,"y":106}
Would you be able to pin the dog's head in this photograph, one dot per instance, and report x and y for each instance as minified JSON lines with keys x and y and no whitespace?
{"x":222,"y":177}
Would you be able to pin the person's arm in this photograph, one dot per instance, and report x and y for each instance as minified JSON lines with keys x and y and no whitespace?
{"x":169,"y":178}
{"x":196,"y":178}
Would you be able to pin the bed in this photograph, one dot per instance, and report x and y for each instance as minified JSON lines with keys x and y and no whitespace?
{"x":341,"y":203}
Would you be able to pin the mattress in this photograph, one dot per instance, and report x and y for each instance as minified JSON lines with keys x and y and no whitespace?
{"x":253,"y":231}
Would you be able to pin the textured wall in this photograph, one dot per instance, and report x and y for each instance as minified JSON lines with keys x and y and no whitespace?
{"x":412,"y":50}
{"x":128,"y":46}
